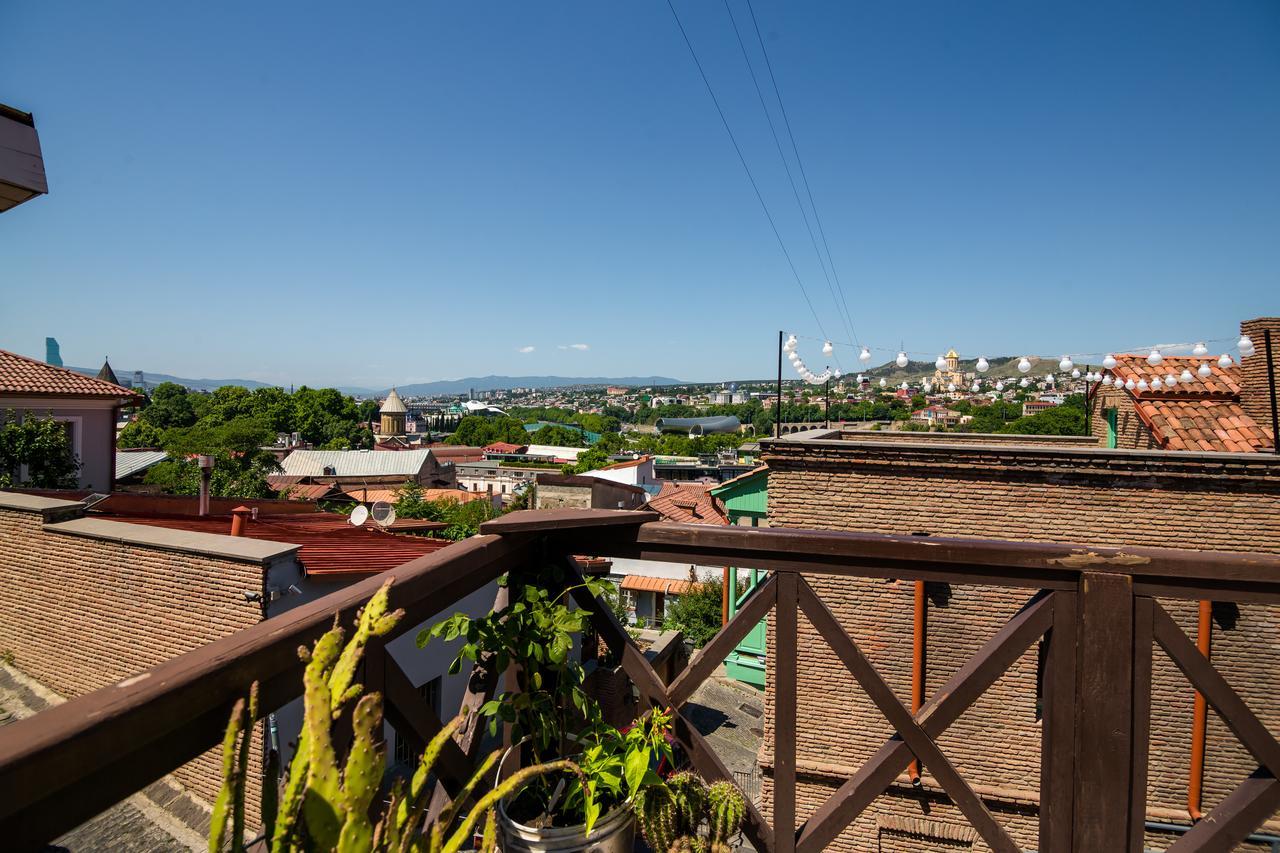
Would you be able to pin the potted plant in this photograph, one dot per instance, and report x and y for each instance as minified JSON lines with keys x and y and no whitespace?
{"x":553,"y":719}
{"x":685,"y":815}
{"x":328,"y":804}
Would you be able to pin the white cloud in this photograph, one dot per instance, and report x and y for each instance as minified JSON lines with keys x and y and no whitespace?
{"x":579,"y":346}
{"x":526,"y":349}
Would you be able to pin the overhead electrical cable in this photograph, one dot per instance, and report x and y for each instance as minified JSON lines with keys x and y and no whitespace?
{"x":804,"y":178}
{"x":786,"y":165}
{"x":743,"y":160}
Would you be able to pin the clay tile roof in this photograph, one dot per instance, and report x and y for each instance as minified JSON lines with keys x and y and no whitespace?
{"x":22,"y":375}
{"x":503,"y":447}
{"x":1204,"y":414}
{"x":667,"y":586}
{"x":687,"y":503}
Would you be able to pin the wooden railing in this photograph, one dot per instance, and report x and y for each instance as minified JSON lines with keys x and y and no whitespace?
{"x":1095,"y":609}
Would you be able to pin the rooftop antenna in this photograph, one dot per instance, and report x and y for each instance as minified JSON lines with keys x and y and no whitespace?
{"x":359,"y":515}
{"x":384,"y":514}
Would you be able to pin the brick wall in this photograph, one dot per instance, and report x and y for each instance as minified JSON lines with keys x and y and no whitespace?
{"x":79,"y":614}
{"x":1209,"y":501}
{"x":1255,"y":393}
{"x":1131,"y":432}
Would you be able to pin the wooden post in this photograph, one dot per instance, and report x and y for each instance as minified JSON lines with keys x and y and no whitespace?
{"x":1104,"y":712}
{"x":1058,"y":727}
{"x":784,"y":714}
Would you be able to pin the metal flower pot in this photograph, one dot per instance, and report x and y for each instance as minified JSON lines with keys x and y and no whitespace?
{"x":614,"y":832}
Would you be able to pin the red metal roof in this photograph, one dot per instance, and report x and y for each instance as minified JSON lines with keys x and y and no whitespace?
{"x":331,"y":546}
{"x":22,"y":375}
{"x":1204,"y":414}
{"x":504,"y":447}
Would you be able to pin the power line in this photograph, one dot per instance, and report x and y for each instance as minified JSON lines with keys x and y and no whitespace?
{"x":786,"y":165}
{"x":743,"y":160}
{"x":786,"y":121}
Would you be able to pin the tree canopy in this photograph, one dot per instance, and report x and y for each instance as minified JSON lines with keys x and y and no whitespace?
{"x":42,"y":445}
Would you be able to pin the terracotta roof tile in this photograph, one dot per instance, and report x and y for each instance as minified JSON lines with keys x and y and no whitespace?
{"x":22,"y":375}
{"x":687,"y":503}
{"x":667,"y":586}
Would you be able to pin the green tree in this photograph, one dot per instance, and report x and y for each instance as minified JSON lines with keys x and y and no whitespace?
{"x":43,"y":446}
{"x":140,"y":433}
{"x":241,"y":466}
{"x":169,"y":406}
{"x":558,"y":436}
{"x":697,"y":613}
{"x":477,"y":431}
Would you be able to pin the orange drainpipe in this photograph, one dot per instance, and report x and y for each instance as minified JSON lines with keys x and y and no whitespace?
{"x":239,"y":518}
{"x":917,"y":667}
{"x":1201,"y":720}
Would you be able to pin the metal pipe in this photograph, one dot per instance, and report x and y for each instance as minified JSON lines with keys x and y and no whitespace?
{"x":1200,"y":720}
{"x":1180,"y":829}
{"x":777,"y":421}
{"x":1271,"y":382}
{"x":917,"y":667}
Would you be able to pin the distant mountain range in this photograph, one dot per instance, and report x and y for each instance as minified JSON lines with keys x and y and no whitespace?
{"x":417,"y":389}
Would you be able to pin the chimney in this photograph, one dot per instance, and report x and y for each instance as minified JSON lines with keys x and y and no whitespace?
{"x":239,"y":520}
{"x":206,"y":472}
{"x":1255,"y":386}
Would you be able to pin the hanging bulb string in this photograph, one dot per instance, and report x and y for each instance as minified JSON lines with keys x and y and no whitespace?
{"x":929,"y":355}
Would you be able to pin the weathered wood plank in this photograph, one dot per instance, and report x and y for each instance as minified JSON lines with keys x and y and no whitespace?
{"x":943,"y":708}
{"x":1104,"y":711}
{"x":1058,"y":727}
{"x":783,"y":655}
{"x":900,"y":718}
{"x":70,"y":762}
{"x":407,"y":711}
{"x":1244,"y":724}
{"x":1143,"y":619}
{"x":713,"y":653}
{"x":551,"y":520}
{"x":1238,"y":815}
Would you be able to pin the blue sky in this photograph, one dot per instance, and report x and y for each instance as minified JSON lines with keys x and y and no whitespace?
{"x":381,"y":193}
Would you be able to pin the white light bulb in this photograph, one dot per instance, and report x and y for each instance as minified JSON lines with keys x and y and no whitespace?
{"x":1200,"y":350}
{"x":983,"y":365}
{"x":1109,"y":362}
{"x":1155,"y":358}
{"x":951,"y":386}
{"x":999,"y":386}
{"x":1065,"y":364}
{"x":1186,"y":377}
{"x":902,"y":359}
{"x":1106,"y":380}
{"x":926,"y":388}
{"x":1204,"y":370}
{"x":904,"y":386}
{"x":883,"y":382}
{"x":861,"y":378}
{"x":1024,"y":365}
{"x":1048,"y":377}
{"x":940,"y":363}
{"x":1245,"y":345}
{"x":827,"y":348}
{"x":1225,"y":362}
{"x":865,"y":355}
{"x":837,"y":374}
{"x":794,"y":356}
{"x":1130,"y":384}
{"x":1025,"y":382}
{"x":1075,"y":373}
{"x":1170,"y":380}
{"x":790,"y":345}
{"x":1143,"y":386}
{"x":975,"y":387}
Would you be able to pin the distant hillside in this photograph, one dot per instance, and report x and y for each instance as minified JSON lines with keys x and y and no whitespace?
{"x":499,"y":383}
{"x":153,"y":379}
{"x":1002,"y":367}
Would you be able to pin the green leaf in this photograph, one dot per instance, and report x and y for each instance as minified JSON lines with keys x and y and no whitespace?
{"x":636,"y":764}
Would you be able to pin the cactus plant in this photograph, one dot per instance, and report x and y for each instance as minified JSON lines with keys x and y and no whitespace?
{"x":684,"y":815}
{"x":327,"y":806}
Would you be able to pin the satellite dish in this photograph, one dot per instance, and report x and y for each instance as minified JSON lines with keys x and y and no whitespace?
{"x":360,"y":515}
{"x":384,"y":514}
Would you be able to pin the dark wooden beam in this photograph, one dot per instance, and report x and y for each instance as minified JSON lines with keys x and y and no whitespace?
{"x":68,"y":763}
{"x":1143,"y":628}
{"x":1058,"y":727}
{"x":1233,"y":819}
{"x":711,"y":655}
{"x":943,"y":708}
{"x":550,"y":520}
{"x":783,"y":660}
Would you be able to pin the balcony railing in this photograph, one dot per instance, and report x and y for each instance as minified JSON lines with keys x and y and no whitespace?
{"x":1095,"y":609}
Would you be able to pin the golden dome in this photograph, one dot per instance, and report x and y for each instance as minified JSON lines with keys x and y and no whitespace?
{"x":952,"y":354}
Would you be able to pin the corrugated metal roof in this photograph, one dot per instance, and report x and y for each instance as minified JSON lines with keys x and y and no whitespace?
{"x":355,"y":463}
{"x":130,"y":462}
{"x":570,"y":453}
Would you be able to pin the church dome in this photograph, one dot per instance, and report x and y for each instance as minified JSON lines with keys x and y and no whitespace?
{"x":393,"y":405}
{"x":952,"y":354}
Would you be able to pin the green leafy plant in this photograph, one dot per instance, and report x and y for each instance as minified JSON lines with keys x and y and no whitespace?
{"x":685,"y":814}
{"x":327,"y":802}
{"x":551,"y":712}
